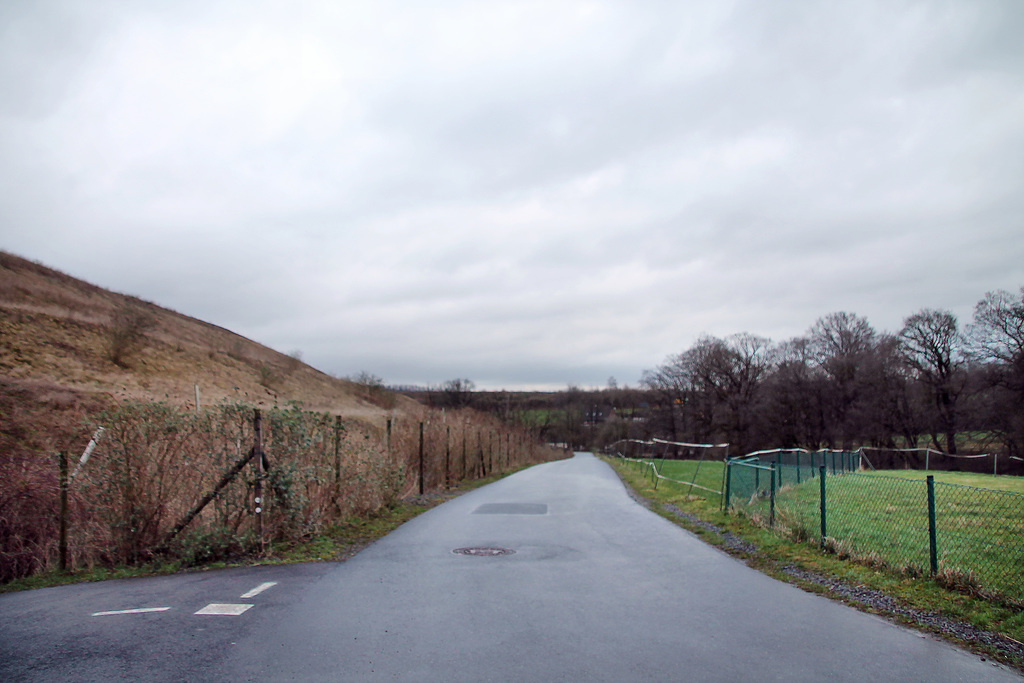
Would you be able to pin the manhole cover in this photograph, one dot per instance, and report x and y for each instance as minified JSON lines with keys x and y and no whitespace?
{"x":484,"y":551}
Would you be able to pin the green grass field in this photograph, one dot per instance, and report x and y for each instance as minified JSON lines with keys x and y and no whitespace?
{"x":709,"y":476}
{"x":882,"y":518}
{"x":982,"y":481}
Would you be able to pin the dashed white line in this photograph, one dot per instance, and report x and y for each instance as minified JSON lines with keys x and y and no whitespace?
{"x":258,"y":589}
{"x":138,"y":610}
{"x":223,"y":609}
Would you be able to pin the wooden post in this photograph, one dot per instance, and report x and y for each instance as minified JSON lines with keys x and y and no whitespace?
{"x":447,"y":456}
{"x":257,"y":425}
{"x":421,"y":458}
{"x":62,"y":463}
{"x":389,"y":435}
{"x":337,"y":461}
{"x":480,"y":448}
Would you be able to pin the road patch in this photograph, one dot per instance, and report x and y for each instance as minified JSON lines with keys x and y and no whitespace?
{"x":222,"y":609}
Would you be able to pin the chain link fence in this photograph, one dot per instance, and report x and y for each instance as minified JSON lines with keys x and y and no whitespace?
{"x":967,"y":538}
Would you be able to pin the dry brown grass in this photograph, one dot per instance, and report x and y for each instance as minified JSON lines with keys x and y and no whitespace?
{"x":57,"y":328}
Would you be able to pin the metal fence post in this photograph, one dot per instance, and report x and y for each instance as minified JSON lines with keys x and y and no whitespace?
{"x":728,"y":486}
{"x":933,"y":548}
{"x":771,"y":516}
{"x":821,"y":476}
{"x":798,"y":467}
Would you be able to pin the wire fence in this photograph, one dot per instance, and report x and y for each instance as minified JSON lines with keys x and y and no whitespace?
{"x":160,"y":481}
{"x":931,"y":459}
{"x":679,"y":462}
{"x":966,"y":537}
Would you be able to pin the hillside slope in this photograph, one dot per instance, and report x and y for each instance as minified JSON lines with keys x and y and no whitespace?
{"x":55,"y":338}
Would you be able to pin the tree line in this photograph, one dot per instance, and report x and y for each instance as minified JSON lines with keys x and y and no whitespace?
{"x":843,"y":384}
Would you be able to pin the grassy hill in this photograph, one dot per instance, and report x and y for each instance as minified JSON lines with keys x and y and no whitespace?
{"x":57,"y":350}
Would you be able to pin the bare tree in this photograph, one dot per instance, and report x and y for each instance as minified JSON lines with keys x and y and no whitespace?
{"x":997,"y":337}
{"x":998,"y":330}
{"x":840,"y":335}
{"x":840,"y":343}
{"x":794,"y":397}
{"x":931,"y":344}
{"x":458,"y":393}
{"x":712,"y":387}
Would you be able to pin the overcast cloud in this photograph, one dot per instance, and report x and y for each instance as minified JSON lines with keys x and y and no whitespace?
{"x":521,"y":193}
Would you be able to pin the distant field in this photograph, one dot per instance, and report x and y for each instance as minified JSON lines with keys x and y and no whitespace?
{"x":982,"y":481}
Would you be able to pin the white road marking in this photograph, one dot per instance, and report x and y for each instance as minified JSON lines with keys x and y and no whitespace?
{"x":138,"y":610}
{"x":222,"y":609}
{"x":258,"y":589}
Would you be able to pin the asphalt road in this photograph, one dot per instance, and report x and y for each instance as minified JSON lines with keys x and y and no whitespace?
{"x":597,"y":589}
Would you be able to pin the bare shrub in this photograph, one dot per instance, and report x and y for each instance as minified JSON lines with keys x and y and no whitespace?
{"x":237,"y":350}
{"x":267,"y":374}
{"x":293,"y":362}
{"x":126,"y":334}
{"x":371,"y":388}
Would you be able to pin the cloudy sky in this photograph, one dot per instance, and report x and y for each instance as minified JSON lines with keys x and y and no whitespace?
{"x":526,"y":194}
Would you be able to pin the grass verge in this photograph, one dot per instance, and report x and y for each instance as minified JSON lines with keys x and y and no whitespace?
{"x":337,"y":543}
{"x":988,"y":628}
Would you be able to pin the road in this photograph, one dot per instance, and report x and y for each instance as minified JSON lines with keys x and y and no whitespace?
{"x":597,"y":589}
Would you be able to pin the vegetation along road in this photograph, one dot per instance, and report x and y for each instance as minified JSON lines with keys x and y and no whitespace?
{"x":562,"y":576}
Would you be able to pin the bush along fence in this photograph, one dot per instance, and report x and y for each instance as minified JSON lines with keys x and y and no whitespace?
{"x":967,"y":538}
{"x":159,"y":481}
